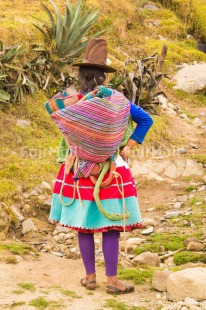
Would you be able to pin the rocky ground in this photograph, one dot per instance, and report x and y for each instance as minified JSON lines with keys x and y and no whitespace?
{"x":172,"y":192}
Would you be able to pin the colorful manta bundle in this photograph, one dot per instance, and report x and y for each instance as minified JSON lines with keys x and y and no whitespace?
{"x":94,"y":128}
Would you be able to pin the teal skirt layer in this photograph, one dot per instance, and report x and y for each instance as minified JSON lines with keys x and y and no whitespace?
{"x":88,"y":218}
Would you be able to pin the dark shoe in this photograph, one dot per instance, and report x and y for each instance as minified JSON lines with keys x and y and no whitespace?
{"x":116,"y":291}
{"x":87,"y":284}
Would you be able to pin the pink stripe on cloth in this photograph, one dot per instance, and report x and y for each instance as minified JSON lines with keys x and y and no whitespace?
{"x":94,"y":128}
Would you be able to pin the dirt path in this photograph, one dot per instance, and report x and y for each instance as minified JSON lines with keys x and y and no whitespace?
{"x":54,"y":278}
{"x":55,"y":281}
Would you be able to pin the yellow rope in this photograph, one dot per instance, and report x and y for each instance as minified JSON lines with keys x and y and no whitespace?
{"x":116,"y":175}
{"x":61,"y":191}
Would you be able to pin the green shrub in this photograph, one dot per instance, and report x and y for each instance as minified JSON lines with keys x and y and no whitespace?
{"x":189,"y":257}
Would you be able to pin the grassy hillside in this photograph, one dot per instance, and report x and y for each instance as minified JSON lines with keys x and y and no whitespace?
{"x":28,"y":155}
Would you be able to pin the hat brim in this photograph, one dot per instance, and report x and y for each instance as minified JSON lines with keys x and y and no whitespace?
{"x":85,"y":64}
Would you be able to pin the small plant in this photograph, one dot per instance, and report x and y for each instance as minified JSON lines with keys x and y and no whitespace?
{"x":142,"y":85}
{"x":117,"y":305}
{"x":17,"y":304}
{"x":189,"y":188}
{"x":39,"y":303}
{"x":27,"y":286}
{"x":11,"y":260}
{"x":136,"y":275}
{"x":69,"y":293}
{"x":16,"y":248}
{"x":18,"y":292}
{"x":15,"y":79}
{"x":189,"y":257}
{"x":171,"y":242}
{"x":64,"y":41}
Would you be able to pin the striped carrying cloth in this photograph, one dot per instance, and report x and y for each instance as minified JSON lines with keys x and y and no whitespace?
{"x":94,"y":128}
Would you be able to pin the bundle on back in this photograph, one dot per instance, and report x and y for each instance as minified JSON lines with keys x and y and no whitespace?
{"x":94,"y":128}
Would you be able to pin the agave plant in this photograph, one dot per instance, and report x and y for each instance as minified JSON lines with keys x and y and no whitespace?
{"x":142,"y":86}
{"x":64,"y":38}
{"x":15,"y":80}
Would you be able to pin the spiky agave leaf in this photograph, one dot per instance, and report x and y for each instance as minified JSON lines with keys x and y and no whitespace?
{"x":68,"y":31}
{"x":9,"y":54}
{"x":4,"y":96}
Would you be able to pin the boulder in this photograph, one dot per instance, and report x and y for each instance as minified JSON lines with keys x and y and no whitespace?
{"x":193,"y":168}
{"x":195,"y":246}
{"x":23,"y":123}
{"x":134,"y":241}
{"x":159,"y":280}
{"x":190,"y":282}
{"x":146,"y":258}
{"x":191,"y":78}
{"x":28,"y":226}
{"x":148,"y":230}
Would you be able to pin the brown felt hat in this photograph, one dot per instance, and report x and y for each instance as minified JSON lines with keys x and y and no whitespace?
{"x":96,"y":55}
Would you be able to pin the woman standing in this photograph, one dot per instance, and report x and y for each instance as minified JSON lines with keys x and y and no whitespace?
{"x":88,"y":219}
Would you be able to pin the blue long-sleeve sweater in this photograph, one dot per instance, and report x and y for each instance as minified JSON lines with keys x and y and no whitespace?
{"x":143,"y":121}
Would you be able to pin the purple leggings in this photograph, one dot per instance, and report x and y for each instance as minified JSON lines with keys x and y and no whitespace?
{"x":110,"y":248}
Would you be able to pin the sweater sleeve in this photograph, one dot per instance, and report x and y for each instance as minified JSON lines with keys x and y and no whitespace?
{"x":143,"y":121}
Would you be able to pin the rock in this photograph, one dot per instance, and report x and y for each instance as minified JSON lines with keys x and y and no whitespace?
{"x":70,"y":236}
{"x":45,"y":185}
{"x":48,"y":202}
{"x":192,"y":168}
{"x":163,"y":101}
{"x":170,"y":214}
{"x":190,"y":282}
{"x":203,"y":304}
{"x":60,"y":229}
{"x":68,"y":242}
{"x":204,"y":179}
{"x":48,"y":248}
{"x":191,"y":78}
{"x":26,"y":208}
{"x":159,"y":280}
{"x":138,"y":169}
{"x":177,"y":205}
{"x":33,"y":193}
{"x":28,"y":226}
{"x":150,"y":7}
{"x":199,"y":203}
{"x":148,"y":231}
{"x":181,"y":150}
{"x":149,"y":222}
{"x":158,"y":297}
{"x":22,"y":123}
{"x":26,"y":195}
{"x":182,"y":198}
{"x":154,"y":177}
{"x":57,"y":254}
{"x":160,"y":37}
{"x":194,"y":146}
{"x":184,"y":116}
{"x":197,"y":122}
{"x":134,"y":241}
{"x":195,"y":246}
{"x":191,"y":302}
{"x":146,"y":258}
{"x":17,"y":212}
{"x":202,"y":188}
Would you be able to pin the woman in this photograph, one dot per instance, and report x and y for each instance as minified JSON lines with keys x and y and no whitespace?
{"x":89,"y":219}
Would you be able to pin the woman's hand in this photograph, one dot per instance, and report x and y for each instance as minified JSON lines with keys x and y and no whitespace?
{"x":125,"y":152}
